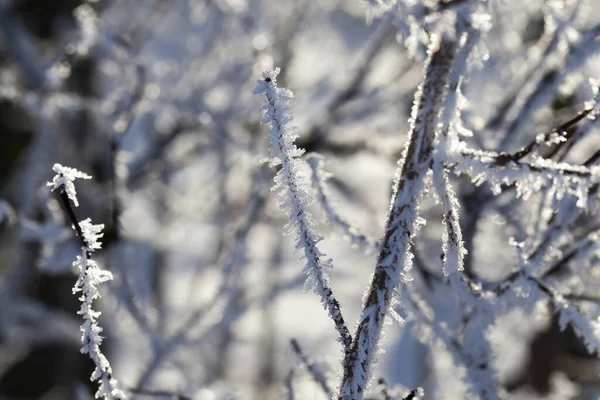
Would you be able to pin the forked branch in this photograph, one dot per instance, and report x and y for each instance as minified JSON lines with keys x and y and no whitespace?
{"x":394,"y":257}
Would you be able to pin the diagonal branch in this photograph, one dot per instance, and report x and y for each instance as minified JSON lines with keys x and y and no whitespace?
{"x":294,"y":198}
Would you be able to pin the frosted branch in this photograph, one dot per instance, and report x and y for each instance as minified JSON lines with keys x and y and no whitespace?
{"x":453,"y":245}
{"x":293,"y":195}
{"x":402,"y":219}
{"x":527,"y":176}
{"x":90,"y":277}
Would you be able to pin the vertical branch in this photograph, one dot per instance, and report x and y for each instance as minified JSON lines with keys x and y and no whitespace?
{"x":90,"y":276}
{"x":453,"y":245}
{"x":402,"y":219}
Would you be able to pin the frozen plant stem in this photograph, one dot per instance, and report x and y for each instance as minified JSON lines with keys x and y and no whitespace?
{"x":293,"y":196}
{"x":90,"y":275}
{"x":394,"y":255}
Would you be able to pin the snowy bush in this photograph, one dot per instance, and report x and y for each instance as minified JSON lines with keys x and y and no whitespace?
{"x":446,"y":251}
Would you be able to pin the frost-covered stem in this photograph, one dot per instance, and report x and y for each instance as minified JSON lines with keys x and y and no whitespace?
{"x":454,"y":101}
{"x":551,"y":136}
{"x":90,"y":276}
{"x":506,"y":171}
{"x":293,"y":196}
{"x":453,"y":245}
{"x":476,"y":350}
{"x":64,"y":199}
{"x":319,"y":176}
{"x":402,"y":218}
{"x":547,"y":137}
{"x":314,"y":371}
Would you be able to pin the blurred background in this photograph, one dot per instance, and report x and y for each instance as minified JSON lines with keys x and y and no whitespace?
{"x":154,"y":99}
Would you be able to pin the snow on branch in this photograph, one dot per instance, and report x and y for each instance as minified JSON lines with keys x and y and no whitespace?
{"x":402,"y":220}
{"x":293,"y":195}
{"x":453,"y":245}
{"x":476,"y":352}
{"x":557,"y":135}
{"x":527,"y":176}
{"x":90,"y":277}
